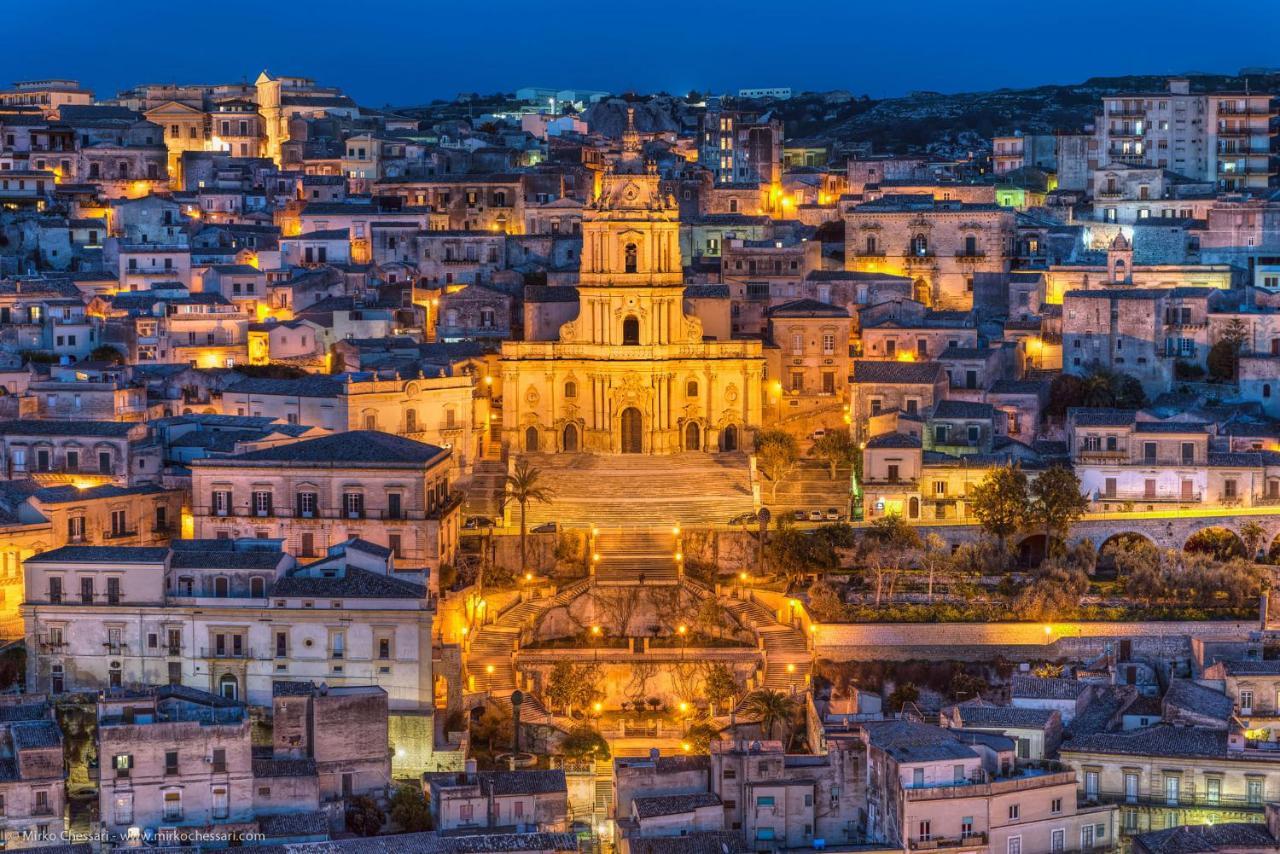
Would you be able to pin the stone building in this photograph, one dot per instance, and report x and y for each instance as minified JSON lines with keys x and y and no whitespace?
{"x":438,"y":410}
{"x":807,"y":358}
{"x":89,"y":452}
{"x":531,"y":800}
{"x":316,"y":493}
{"x":878,"y":387}
{"x":939,"y":244}
{"x":341,"y":729}
{"x":33,"y":787}
{"x":632,"y":373}
{"x":229,"y":617}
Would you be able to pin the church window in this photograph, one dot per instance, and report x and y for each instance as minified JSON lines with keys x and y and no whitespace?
{"x":631,"y":331}
{"x":691,"y":388}
{"x":570,"y":389}
{"x":630,"y":254}
{"x":919,"y":245}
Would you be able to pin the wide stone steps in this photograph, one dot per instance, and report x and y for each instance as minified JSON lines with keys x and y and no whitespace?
{"x":628,"y":556}
{"x":640,"y":490}
{"x":484,"y":492}
{"x":809,"y":486}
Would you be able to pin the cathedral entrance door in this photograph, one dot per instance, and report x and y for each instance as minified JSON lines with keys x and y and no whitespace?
{"x":632,"y":425}
{"x":570,"y":438}
{"x":691,"y":437}
{"x":729,"y":438}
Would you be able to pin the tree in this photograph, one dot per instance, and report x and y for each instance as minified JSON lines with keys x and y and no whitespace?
{"x":107,"y":353}
{"x":364,"y":818}
{"x":1056,"y":504}
{"x":583,"y":742}
{"x":1224,"y":356}
{"x":409,"y":809}
{"x":521,"y":486}
{"x":825,"y":603}
{"x":1065,"y":392}
{"x":494,"y":726}
{"x":720,"y":685}
{"x":935,"y":558}
{"x":1000,"y":503}
{"x":903,"y":694}
{"x":771,"y":708}
{"x":1253,"y":536}
{"x":699,"y":738}
{"x":711,"y":617}
{"x":571,"y":685}
{"x":1054,"y":590}
{"x":776,"y":452}
{"x":835,"y":448}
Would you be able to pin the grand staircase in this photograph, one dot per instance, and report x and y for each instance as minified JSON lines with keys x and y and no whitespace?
{"x":489,"y":660}
{"x":636,"y":557}
{"x":808,"y":486}
{"x":488,"y":481}
{"x":641,"y":490}
{"x":787,"y":661}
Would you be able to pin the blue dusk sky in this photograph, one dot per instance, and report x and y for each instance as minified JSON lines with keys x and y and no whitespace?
{"x":403,"y":52}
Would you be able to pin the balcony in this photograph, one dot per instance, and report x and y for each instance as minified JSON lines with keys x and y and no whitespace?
{"x":120,"y":534}
{"x":1100,"y":456}
{"x":242,"y":654}
{"x":973,"y":255}
{"x":1157,"y":497}
{"x":891,"y":482}
{"x":1187,"y":798}
{"x":1110,"y":195}
{"x":933,"y":843}
{"x":868,"y":253}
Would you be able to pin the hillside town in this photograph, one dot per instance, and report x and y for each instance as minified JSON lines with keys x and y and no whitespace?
{"x":583,"y":471}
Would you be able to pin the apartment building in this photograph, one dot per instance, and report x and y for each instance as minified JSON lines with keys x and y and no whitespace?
{"x":532,"y":801}
{"x":314,"y":493}
{"x":33,"y":790}
{"x":229,"y":617}
{"x":1224,"y":137}
{"x":85,"y":452}
{"x":1126,"y":459}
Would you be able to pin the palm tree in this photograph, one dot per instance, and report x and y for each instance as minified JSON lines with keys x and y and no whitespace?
{"x":771,"y":707}
{"x":521,"y":486}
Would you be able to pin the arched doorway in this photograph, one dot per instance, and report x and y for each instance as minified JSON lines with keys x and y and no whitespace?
{"x":632,"y":431}
{"x":923,"y":294}
{"x":229,"y":687}
{"x":630,"y":331}
{"x":531,"y":439}
{"x":729,"y":438}
{"x":913,"y":508}
{"x":692,"y":436}
{"x":570,"y":437}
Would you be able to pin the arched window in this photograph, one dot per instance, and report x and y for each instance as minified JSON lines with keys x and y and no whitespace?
{"x":691,"y":388}
{"x":1120,"y":275}
{"x":631,"y":331}
{"x":913,"y":508}
{"x":920,"y":245}
{"x":257,"y":587}
{"x":630,"y":257}
{"x":531,"y":439}
{"x":411,"y":421}
{"x":570,"y":389}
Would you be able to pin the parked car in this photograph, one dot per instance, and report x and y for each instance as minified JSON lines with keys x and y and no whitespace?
{"x":744,"y":519}
{"x":474,"y":522}
{"x":819,"y":433}
{"x":815,"y":515}
{"x":833,"y":515}
{"x":799,"y":515}
{"x":546,"y":528}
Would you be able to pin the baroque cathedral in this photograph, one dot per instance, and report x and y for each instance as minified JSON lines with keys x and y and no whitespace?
{"x":633,"y":373}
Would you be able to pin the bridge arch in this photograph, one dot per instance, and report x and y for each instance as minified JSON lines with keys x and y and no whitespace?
{"x":1218,"y":541}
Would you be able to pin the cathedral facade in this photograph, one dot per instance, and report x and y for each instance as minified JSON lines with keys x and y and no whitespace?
{"x":633,"y":372}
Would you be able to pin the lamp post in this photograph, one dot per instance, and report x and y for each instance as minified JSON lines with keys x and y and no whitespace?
{"x":763,"y":517}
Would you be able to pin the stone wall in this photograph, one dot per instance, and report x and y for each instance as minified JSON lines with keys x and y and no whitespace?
{"x":979,"y":641}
